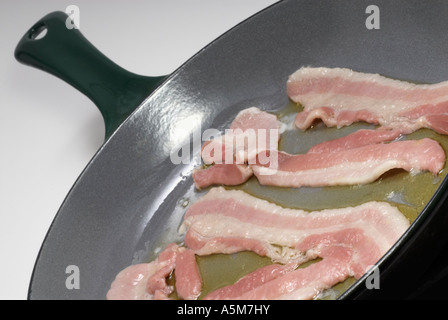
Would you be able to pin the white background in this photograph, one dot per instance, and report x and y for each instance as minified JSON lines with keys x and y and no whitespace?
{"x":49,"y":131}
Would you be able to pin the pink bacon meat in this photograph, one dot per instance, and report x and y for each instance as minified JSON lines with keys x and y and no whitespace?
{"x":352,"y":166}
{"x":250,"y":123}
{"x":229,"y":221}
{"x":357,"y":139}
{"x":252,"y":131}
{"x":222,"y":174}
{"x":251,"y":282}
{"x":287,"y":284}
{"x":340,"y":97}
{"x":147,"y":281}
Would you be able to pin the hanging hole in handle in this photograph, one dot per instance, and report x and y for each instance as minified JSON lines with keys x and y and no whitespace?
{"x":38,"y":32}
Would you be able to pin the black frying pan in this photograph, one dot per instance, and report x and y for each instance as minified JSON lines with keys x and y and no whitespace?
{"x":126,"y":202}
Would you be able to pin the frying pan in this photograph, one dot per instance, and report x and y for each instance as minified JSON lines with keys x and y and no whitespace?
{"x":126,"y":203}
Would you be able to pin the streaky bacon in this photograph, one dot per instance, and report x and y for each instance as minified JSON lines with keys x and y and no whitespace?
{"x":130,"y":283}
{"x":221,"y":174}
{"x":340,"y":97}
{"x":349,"y":240}
{"x":252,"y":131}
{"x":188,"y":278}
{"x":251,"y":281}
{"x":148,"y":281}
{"x":250,"y":125}
{"x":231,"y":221}
{"x":352,"y":166}
{"x":360,"y":138}
{"x":299,"y":284}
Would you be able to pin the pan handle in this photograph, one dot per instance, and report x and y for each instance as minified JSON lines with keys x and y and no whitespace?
{"x":53,"y":47}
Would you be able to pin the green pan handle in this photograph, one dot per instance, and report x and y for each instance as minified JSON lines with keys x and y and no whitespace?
{"x":67,"y":54}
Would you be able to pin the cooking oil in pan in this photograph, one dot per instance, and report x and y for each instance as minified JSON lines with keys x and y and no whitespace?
{"x":408,"y":192}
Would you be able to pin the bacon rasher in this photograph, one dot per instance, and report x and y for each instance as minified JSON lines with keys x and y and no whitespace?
{"x":229,"y":221}
{"x":147,"y":281}
{"x":352,"y":166}
{"x":340,"y":97}
{"x":251,"y":133}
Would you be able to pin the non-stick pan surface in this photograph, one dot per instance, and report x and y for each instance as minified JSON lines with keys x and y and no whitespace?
{"x":128,"y":201}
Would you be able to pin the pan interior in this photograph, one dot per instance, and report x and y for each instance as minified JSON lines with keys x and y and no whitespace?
{"x":410,"y":193}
